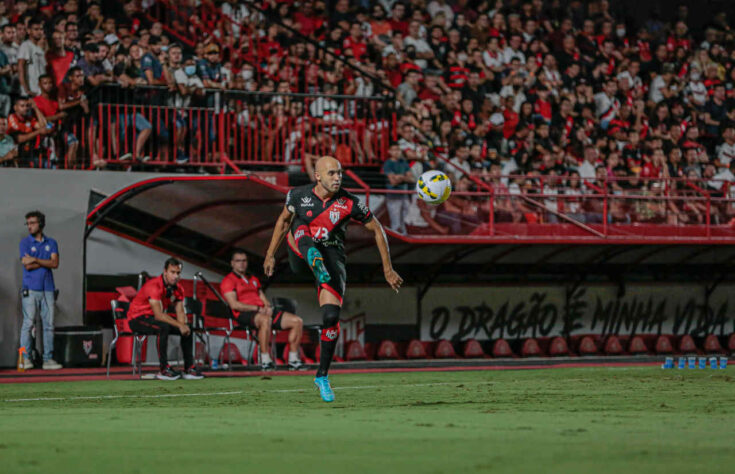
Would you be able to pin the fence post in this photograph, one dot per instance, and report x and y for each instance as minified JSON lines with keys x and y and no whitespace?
{"x":604,"y":207}
{"x":709,"y":216}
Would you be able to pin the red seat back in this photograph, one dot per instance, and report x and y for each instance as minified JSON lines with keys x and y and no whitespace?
{"x":558,"y":347}
{"x":415,"y":350}
{"x":613,"y":346}
{"x":230,"y":352}
{"x":731,"y":343}
{"x":686,"y":345}
{"x":387,"y":350}
{"x":472,"y":350}
{"x":530,"y":348}
{"x":712,"y":345}
{"x":501,"y":348}
{"x":637,"y":346}
{"x":354,"y":351}
{"x":663,"y":345}
{"x":444,"y":350}
{"x":587,"y":346}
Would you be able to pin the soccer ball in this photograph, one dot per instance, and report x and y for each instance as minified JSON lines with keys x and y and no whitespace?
{"x":434,"y":187}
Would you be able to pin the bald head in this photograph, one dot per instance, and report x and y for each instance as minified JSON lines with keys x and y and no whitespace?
{"x":325,"y":163}
{"x":328,"y":173}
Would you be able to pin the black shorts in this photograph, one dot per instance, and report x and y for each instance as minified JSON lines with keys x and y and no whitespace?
{"x":334,"y":262}
{"x":247,"y":319}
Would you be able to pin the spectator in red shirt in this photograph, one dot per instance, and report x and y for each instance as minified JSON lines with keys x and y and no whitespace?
{"x":26,"y":125}
{"x":58,"y":58}
{"x":251,"y":309}
{"x":50,"y":110}
{"x":150,"y":313}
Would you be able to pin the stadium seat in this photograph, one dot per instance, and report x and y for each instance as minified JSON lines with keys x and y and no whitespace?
{"x":501,"y":348}
{"x":712,"y":345}
{"x":587,"y":346}
{"x":415,"y":350}
{"x":387,"y":350}
{"x":637,"y":346}
{"x":531,"y":348}
{"x":558,"y":347}
{"x":371,"y":349}
{"x":444,"y":350}
{"x":613,"y":346}
{"x":663,"y":345}
{"x":200,"y":353}
{"x":731,"y":343}
{"x":687,"y":345}
{"x":230,"y":354}
{"x":473,"y":350}
{"x":354,"y":351}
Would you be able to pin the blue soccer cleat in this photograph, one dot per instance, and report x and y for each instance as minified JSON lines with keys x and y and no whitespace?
{"x":316,"y":262}
{"x":325,"y":390}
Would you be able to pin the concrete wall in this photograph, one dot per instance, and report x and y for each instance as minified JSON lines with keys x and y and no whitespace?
{"x":63,"y":197}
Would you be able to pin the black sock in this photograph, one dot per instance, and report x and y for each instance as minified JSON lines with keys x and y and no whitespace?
{"x":325,"y":357}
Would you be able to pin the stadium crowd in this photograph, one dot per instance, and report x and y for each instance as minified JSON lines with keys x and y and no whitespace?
{"x":546,"y":97}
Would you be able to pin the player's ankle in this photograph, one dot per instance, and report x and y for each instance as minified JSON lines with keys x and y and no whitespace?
{"x":293,"y":357}
{"x":265,"y":358}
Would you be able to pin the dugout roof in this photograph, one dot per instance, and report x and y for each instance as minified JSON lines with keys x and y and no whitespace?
{"x":200,"y":218}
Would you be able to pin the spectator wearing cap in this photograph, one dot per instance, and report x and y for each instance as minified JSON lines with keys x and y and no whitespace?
{"x":398,"y":173}
{"x":91,"y":66}
{"x":31,"y":59}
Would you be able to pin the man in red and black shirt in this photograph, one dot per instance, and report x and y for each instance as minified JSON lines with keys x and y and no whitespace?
{"x":251,"y":308}
{"x":26,"y":125}
{"x":314,"y":220}
{"x":149,"y":314}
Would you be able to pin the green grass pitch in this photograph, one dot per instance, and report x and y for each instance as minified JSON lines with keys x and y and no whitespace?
{"x":586,"y":420}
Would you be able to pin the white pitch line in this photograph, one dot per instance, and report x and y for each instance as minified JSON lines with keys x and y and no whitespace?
{"x":238,"y":392}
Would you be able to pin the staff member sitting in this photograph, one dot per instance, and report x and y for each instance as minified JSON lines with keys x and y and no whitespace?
{"x":252,"y":309}
{"x":148,"y":315}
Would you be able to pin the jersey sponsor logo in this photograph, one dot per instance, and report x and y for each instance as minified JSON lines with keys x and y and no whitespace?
{"x":33,"y":249}
{"x":306,"y":202}
{"x":331,"y":334}
{"x":363,"y":208}
{"x":341,"y":203}
{"x":334,"y":216}
{"x":87,"y":346}
{"x":298,"y":234}
{"x":48,"y":248}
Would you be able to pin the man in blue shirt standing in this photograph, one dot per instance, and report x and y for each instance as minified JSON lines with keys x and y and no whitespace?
{"x":39,"y":255}
{"x":399,"y":175}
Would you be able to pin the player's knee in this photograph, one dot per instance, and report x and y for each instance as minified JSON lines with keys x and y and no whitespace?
{"x":330,"y":321}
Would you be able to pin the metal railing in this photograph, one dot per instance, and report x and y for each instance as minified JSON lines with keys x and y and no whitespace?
{"x":217,"y":129}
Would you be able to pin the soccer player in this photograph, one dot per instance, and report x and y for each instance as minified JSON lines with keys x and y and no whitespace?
{"x":251,"y":308}
{"x":148,"y":314}
{"x":315,"y":218}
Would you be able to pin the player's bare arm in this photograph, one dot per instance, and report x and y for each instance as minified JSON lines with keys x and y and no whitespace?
{"x":393,"y":278}
{"x":279,"y":232}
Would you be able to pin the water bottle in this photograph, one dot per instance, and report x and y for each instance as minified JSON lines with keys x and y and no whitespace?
{"x":21,"y":353}
{"x":215,"y":364}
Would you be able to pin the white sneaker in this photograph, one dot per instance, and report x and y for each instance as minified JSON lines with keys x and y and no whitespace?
{"x":27,"y":364}
{"x":51,"y":365}
{"x":125,"y":156}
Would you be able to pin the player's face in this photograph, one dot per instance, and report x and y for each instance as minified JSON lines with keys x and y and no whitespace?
{"x":331,"y":178}
{"x":172,"y":274}
{"x":239,"y":263}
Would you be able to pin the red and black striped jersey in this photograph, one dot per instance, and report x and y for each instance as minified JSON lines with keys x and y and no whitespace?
{"x":327,"y":219}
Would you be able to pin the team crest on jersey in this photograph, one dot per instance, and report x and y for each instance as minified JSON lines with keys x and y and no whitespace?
{"x":334,"y":216}
{"x":87,"y":346}
{"x":306,"y":202}
{"x":48,"y":248}
{"x":341,"y":203}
